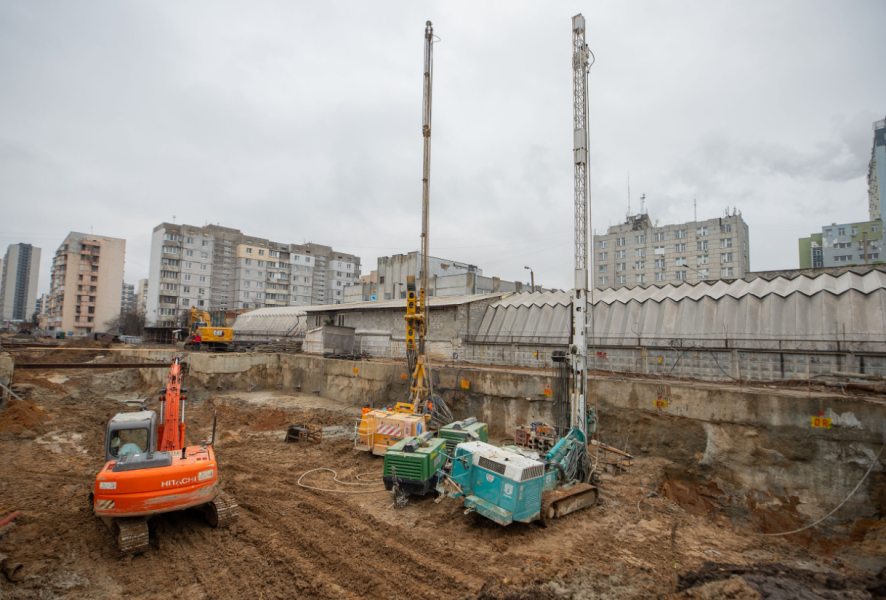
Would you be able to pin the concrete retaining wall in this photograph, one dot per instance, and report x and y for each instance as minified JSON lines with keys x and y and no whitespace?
{"x":752,"y":448}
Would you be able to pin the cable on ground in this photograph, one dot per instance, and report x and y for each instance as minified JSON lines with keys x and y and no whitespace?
{"x":336,"y":479}
{"x":871,"y":468}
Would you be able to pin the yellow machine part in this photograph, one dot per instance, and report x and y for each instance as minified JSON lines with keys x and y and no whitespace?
{"x":380,"y":429}
{"x":216,"y":334}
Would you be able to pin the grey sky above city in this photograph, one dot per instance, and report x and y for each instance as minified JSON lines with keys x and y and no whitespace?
{"x":302,"y":122}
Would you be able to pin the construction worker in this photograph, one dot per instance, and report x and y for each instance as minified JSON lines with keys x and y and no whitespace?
{"x":197,"y":339}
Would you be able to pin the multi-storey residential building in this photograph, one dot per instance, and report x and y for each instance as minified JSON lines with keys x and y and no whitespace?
{"x":42,"y":304}
{"x":128,"y":299}
{"x":86,"y":284}
{"x":877,"y":172}
{"x":843,"y":245}
{"x":221,"y":268}
{"x":18,"y":282}
{"x":142,"y":298}
{"x":446,"y":278}
{"x":638,"y":252}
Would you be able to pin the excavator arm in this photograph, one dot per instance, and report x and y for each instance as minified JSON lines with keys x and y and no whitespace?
{"x":171,"y":430}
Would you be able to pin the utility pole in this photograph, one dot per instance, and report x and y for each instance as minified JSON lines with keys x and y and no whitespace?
{"x":578,"y":349}
{"x":531,"y":278}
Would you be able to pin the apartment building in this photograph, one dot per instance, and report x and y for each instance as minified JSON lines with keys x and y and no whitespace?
{"x":18,"y":282}
{"x":843,"y":245}
{"x":640,"y":252}
{"x":42,"y":304}
{"x":127,"y":298}
{"x":142,"y":298}
{"x":221,"y":268}
{"x":877,"y":172}
{"x":86,"y":283}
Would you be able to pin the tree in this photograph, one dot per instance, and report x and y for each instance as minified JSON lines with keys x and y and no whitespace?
{"x":130,"y":322}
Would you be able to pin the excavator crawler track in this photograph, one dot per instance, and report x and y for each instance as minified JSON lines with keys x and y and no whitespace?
{"x":558,"y":503}
{"x":222,"y":511}
{"x":132,"y":534}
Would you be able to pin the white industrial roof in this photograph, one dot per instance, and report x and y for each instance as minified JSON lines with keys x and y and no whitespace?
{"x":401,"y":303}
{"x":849,"y":306}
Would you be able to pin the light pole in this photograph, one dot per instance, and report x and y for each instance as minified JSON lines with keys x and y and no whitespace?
{"x":531,"y":278}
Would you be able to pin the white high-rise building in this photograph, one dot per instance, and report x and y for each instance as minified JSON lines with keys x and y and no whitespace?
{"x":18,"y":282}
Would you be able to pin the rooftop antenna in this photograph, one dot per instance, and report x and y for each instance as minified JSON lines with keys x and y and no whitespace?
{"x":642,"y":203}
{"x":629,"y":193}
{"x":173,"y":219}
{"x":695,"y":209}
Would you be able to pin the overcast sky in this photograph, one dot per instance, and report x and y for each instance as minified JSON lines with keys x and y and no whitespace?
{"x":301,"y":121}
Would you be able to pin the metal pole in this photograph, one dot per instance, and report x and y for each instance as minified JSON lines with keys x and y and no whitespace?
{"x":531,"y":278}
{"x":864,"y":240}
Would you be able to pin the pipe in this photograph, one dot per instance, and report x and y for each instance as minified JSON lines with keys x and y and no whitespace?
{"x":10,"y":518}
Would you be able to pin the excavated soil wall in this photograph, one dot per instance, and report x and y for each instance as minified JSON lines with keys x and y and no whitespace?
{"x":749,"y":453}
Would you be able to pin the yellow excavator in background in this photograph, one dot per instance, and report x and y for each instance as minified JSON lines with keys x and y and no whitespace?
{"x":203,"y":336}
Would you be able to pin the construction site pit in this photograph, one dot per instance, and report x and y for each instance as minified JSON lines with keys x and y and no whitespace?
{"x":642,"y":540}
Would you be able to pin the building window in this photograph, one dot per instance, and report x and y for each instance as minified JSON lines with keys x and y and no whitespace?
{"x":640,"y":252}
{"x":620,"y":253}
{"x":726,"y":257}
{"x":604,"y":255}
{"x":245,"y":284}
{"x":658,"y":236}
{"x":726,"y":272}
{"x":701,"y":245}
{"x":855,"y":231}
{"x":680,"y":247}
{"x":172,"y":237}
{"x":727,"y":228}
{"x":261,"y":263}
{"x":875,"y":228}
{"x":604,"y":280}
{"x":726,"y":243}
{"x":202,"y":267}
{"x":604,"y":268}
{"x":621,"y":266}
{"x":189,"y":240}
{"x":186,"y":289}
{"x":639,"y":278}
{"x":202,"y":279}
{"x":620,"y":241}
{"x":681,"y":275}
{"x":701,"y":231}
{"x":841,"y":231}
{"x":204,"y":255}
{"x":703,"y":274}
{"x":204,"y":243}
{"x":681,"y":261}
{"x":261,"y":252}
{"x":622,"y":279}
{"x":189,"y":252}
{"x":659,"y":263}
{"x":660,"y":276}
{"x":680,"y":234}
{"x":246,"y":294}
{"x":604,"y":244}
{"x":249,"y":251}
{"x":641,"y":239}
{"x":187,"y":277}
{"x":703,"y":259}
{"x":640,"y":265}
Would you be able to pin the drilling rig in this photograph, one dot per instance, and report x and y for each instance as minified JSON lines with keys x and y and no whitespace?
{"x":380,"y":429}
{"x":506,"y":484}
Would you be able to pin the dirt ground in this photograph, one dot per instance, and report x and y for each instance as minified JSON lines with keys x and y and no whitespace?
{"x":292,"y":542}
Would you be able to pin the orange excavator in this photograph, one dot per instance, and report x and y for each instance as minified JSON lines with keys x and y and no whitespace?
{"x":149,"y":471}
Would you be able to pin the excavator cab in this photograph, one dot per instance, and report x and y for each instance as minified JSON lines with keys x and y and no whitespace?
{"x":131,"y":433}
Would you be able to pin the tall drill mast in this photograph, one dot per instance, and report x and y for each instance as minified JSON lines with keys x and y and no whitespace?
{"x":578,"y":349}
{"x":426,"y":174}
{"x":417,"y":311}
